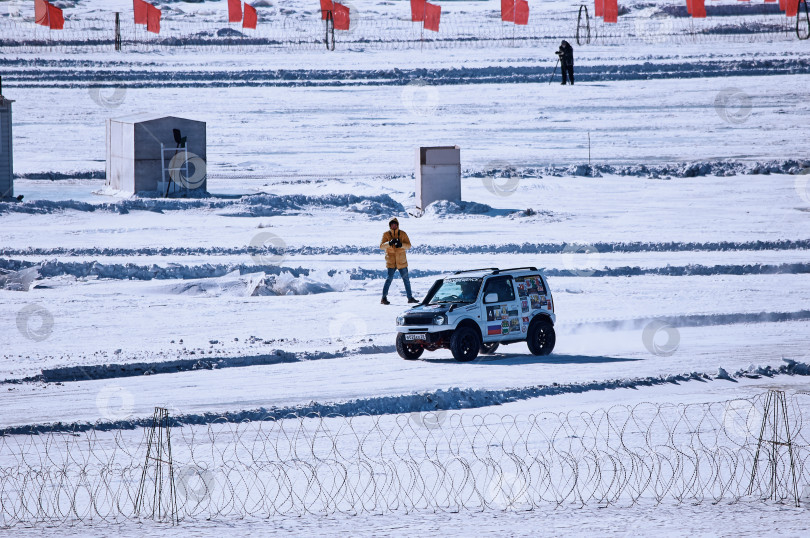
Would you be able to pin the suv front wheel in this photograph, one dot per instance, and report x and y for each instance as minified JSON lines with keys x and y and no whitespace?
{"x":409,"y":352}
{"x":465,"y":344}
{"x":541,"y":337}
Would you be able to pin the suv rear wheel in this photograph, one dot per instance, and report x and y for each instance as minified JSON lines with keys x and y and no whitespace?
{"x":465,"y":344}
{"x":541,"y":337}
{"x":409,"y":352}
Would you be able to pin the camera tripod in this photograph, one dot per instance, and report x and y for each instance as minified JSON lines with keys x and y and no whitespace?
{"x":555,"y":70}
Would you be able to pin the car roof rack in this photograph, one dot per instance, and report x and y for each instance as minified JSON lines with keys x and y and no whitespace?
{"x":475,"y":270}
{"x":514,"y":269}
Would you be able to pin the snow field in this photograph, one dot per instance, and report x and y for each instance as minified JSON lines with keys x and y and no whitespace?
{"x":283,"y":131}
{"x":678,"y":275}
{"x":152,"y":316}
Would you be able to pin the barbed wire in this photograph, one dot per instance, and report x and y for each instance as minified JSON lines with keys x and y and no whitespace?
{"x":435,"y":461}
{"x":98,"y":35}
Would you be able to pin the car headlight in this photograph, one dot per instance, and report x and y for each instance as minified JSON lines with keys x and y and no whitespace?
{"x":401,"y":320}
{"x":439,"y":319}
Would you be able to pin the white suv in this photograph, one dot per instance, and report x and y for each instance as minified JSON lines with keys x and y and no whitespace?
{"x":475,"y":311}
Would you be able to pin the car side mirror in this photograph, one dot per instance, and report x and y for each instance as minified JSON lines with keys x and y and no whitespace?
{"x":491,"y":298}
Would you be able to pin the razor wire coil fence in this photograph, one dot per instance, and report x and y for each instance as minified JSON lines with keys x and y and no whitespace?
{"x":367,"y":33}
{"x":746,"y":449}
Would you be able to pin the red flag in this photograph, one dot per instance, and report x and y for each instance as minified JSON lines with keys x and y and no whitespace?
{"x":56,"y":20}
{"x":611,"y":11}
{"x":508,"y":10}
{"x":250,"y":17}
{"x":341,"y":17}
{"x":41,"y":12}
{"x":522,"y":12}
{"x":417,"y":10}
{"x":782,"y":6}
{"x":140,"y":11}
{"x":234,"y":10}
{"x":698,"y":9}
{"x":433,"y":15}
{"x":326,"y":5}
{"x":152,"y":19}
{"x":599,"y":8}
{"x":791,"y":8}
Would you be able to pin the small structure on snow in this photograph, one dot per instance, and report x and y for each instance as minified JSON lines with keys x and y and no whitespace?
{"x":152,"y":153}
{"x":438,"y":175}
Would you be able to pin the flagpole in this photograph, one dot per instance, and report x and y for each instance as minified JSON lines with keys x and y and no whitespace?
{"x":422,"y":29}
{"x":50,"y":41}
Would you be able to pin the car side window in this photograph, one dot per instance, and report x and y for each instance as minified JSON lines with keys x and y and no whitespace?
{"x":532,"y":284}
{"x":502,"y":286}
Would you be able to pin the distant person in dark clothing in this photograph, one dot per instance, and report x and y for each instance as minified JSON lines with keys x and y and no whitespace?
{"x":566,"y":54}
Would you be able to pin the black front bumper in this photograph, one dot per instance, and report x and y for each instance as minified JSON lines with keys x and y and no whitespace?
{"x":431,"y":339}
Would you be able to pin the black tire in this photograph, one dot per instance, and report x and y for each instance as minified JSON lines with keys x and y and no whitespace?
{"x":409,"y":352}
{"x":488,"y":348}
{"x":541,"y":337}
{"x":465,"y":344}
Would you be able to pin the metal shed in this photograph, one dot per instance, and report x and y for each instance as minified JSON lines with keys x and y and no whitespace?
{"x":6,"y":156}
{"x":151,"y":153}
{"x":438,"y":174}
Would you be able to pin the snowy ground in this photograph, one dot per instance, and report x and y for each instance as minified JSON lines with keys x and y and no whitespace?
{"x":698,"y":217}
{"x":368,"y":130}
{"x":699,"y":521}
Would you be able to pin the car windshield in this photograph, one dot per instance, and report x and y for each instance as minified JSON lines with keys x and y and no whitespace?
{"x":457,"y":290}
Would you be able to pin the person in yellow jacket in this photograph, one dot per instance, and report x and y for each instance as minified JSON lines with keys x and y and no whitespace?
{"x":395,"y":242}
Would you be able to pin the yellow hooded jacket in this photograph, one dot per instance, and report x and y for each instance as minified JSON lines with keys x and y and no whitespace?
{"x":395,"y":257}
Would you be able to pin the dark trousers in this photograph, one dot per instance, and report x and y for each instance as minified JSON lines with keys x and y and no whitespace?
{"x":404,"y":274}
{"x":569,"y":70}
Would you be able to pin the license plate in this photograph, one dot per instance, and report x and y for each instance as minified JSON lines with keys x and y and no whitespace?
{"x":415,"y":337}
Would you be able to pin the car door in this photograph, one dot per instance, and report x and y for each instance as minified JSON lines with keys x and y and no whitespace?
{"x":502,"y":313}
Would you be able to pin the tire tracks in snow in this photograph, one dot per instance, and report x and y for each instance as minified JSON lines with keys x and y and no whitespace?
{"x":91,"y":372}
{"x":439,"y":400}
{"x":687,"y":320}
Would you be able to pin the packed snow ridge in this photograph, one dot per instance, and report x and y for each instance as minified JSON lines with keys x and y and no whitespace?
{"x":255,"y":205}
{"x":140,"y":77}
{"x":498,"y":248}
{"x":209,"y":280}
{"x":68,"y":374}
{"x":720,"y":168}
{"x":684,"y":270}
{"x":18,"y":275}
